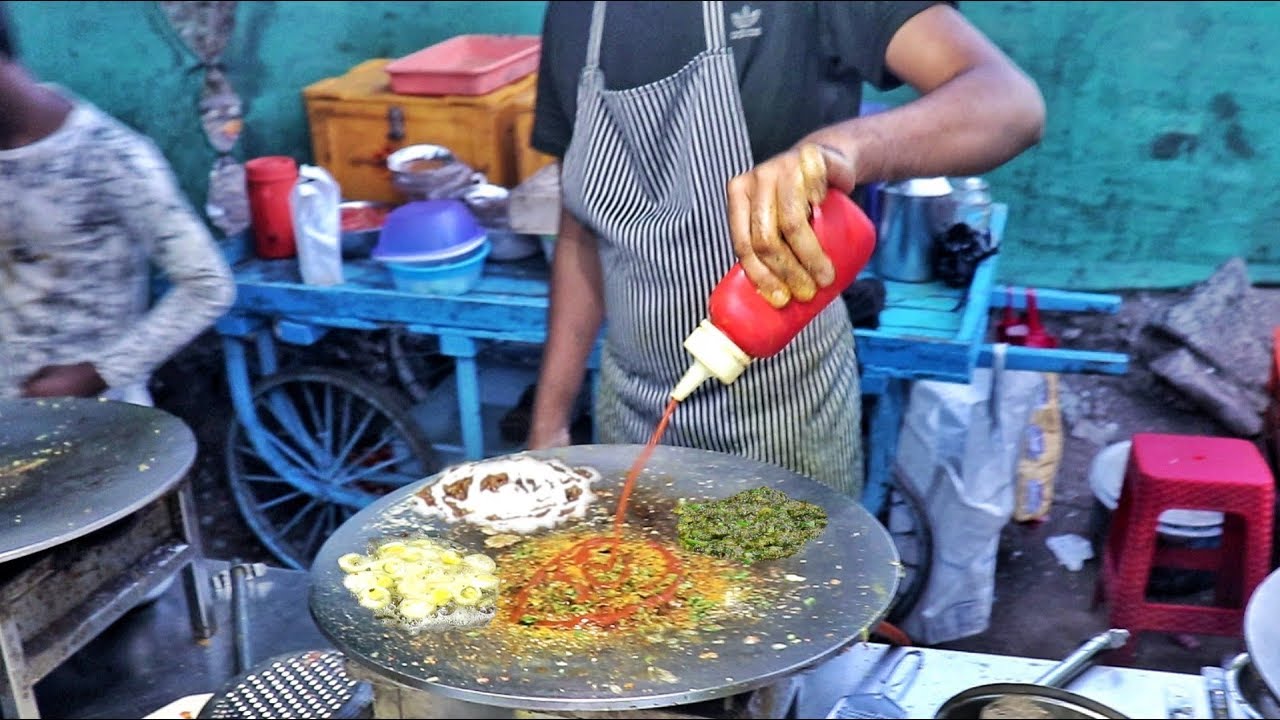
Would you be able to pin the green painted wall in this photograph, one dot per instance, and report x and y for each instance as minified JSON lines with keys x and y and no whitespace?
{"x":1162,"y":146}
{"x":124,"y":57}
{"x":1157,"y":164}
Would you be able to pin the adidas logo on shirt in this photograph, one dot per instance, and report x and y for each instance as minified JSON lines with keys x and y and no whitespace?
{"x":745,"y":23}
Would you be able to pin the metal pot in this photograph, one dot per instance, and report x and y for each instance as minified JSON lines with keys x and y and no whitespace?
{"x":359,"y":243}
{"x":912,"y":214}
{"x":430,"y":172}
{"x":1248,"y":693}
{"x":1046,"y":693}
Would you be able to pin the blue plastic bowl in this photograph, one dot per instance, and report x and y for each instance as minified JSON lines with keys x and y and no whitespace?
{"x":453,"y":278}
{"x":429,"y":231}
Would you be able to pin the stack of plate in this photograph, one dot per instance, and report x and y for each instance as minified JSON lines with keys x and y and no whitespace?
{"x":489,"y":203}
{"x":1106,"y":478}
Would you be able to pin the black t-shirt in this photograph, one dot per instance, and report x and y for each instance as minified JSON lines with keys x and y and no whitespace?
{"x":800,"y":65}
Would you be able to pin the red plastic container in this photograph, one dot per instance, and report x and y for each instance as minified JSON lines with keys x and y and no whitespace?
{"x":466,"y":65}
{"x":270,"y":179}
{"x":759,"y":329}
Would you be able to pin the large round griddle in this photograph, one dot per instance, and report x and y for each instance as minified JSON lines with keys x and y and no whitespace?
{"x":850,"y":574}
{"x":71,"y":466}
{"x":1262,"y":631}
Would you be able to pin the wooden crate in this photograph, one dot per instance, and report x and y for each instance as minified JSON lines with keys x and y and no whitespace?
{"x":356,"y":122}
{"x":528,"y":160}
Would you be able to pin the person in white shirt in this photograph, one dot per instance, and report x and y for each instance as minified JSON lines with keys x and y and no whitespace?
{"x":90,"y":205}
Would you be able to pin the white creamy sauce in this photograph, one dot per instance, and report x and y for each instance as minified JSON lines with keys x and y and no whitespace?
{"x":517,"y":494}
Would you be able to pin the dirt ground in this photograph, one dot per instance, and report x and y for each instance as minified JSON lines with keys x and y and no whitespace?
{"x":1041,"y":609}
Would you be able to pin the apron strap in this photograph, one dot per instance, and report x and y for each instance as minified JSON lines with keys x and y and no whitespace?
{"x":712,"y":27}
{"x":713,"y":23}
{"x":597,"y":29}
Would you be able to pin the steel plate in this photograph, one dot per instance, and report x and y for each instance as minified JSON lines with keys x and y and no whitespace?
{"x":848,"y":576}
{"x":1057,"y":702}
{"x":1262,"y":631}
{"x":71,"y":466}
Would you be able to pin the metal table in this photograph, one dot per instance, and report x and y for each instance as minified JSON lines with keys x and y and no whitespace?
{"x":100,"y":514}
{"x":827,"y":596}
{"x":1134,"y":692}
{"x":145,"y":661}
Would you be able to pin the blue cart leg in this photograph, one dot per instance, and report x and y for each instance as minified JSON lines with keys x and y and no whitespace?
{"x":886,"y":421}
{"x":463,"y":350}
{"x":267,"y":362}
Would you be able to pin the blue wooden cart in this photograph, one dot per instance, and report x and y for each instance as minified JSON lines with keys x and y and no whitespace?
{"x":307,"y":448}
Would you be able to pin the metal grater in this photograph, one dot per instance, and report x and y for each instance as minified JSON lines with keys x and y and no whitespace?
{"x":879,"y":704}
{"x":312,"y":684}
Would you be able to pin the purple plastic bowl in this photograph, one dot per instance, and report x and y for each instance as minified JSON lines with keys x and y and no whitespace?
{"x":428,"y":231}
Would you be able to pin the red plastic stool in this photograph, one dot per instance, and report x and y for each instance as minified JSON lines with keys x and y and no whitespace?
{"x":1188,"y":472}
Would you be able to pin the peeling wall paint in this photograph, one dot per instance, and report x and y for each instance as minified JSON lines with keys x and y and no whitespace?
{"x":1157,"y":165}
{"x":127,"y":58}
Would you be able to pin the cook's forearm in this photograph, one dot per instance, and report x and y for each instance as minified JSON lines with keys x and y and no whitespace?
{"x":973,"y":123}
{"x":573,"y":323}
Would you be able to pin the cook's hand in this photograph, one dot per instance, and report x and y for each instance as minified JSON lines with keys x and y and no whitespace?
{"x":542,"y":439}
{"x":769,"y":211}
{"x":79,"y":380}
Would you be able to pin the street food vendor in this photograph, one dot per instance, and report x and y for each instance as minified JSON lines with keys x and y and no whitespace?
{"x":695,"y":134}
{"x":89,"y":205}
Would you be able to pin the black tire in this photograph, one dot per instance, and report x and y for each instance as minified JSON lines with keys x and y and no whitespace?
{"x":417,"y":362}
{"x":266,"y":499}
{"x":905,"y":516}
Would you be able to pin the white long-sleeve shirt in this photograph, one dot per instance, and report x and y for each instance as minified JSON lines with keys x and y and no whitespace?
{"x":84,"y":214}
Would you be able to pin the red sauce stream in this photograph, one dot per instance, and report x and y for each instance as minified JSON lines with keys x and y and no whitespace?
{"x":640,"y":462}
{"x":600,"y":564}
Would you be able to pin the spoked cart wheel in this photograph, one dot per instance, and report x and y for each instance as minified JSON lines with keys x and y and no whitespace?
{"x":338,"y":442}
{"x":907,"y":520}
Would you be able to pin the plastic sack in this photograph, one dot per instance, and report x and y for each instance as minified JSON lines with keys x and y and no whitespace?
{"x":1041,"y":455}
{"x":959,"y":448}
{"x":317,"y":226}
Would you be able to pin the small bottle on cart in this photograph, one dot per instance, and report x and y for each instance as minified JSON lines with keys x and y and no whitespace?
{"x":973,"y":203}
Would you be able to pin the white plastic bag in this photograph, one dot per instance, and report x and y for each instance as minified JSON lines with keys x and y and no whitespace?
{"x":959,"y":449}
{"x":317,"y":225}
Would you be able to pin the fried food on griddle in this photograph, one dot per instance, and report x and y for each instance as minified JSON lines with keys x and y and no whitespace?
{"x":520,"y":494}
{"x":757,"y":524}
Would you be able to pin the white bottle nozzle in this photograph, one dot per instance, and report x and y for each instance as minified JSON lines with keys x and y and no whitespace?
{"x":692,"y":380}
{"x":715,"y":356}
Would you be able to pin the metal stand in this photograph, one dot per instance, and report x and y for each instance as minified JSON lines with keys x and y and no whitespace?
{"x":54,"y":602}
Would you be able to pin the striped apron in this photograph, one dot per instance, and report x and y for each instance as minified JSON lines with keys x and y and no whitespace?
{"x":646,"y":171}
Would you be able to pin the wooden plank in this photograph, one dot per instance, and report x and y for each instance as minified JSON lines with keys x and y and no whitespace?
{"x":912,"y":359}
{"x":914,"y":323}
{"x":1051,"y":300}
{"x":336,"y":305}
{"x":299,"y":333}
{"x":1059,"y":360}
{"x":237,"y":325}
{"x":526,"y":278}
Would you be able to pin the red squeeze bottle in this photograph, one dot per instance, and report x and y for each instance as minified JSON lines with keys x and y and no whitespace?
{"x":270,"y":179}
{"x":742,"y":326}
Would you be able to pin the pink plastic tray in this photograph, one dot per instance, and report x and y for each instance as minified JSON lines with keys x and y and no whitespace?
{"x":466,"y":65}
